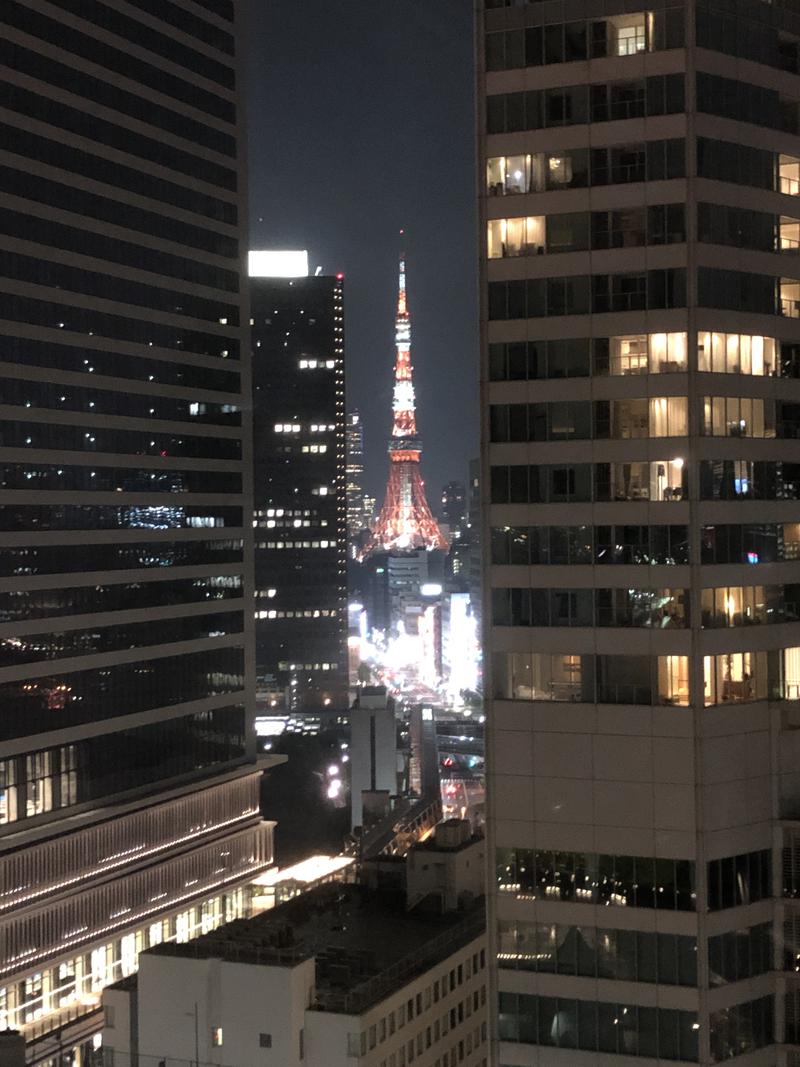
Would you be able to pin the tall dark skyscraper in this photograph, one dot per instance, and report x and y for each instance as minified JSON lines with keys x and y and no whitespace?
{"x":128,"y":786}
{"x":641,"y":479}
{"x":358,"y":516}
{"x":300,"y":513}
{"x":454,"y":507}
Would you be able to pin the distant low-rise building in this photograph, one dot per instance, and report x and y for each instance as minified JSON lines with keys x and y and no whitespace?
{"x":338,"y":976}
{"x":373,"y":750}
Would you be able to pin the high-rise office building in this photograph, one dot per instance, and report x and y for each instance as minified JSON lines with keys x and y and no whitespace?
{"x":641,"y":474}
{"x":358,"y":513}
{"x":300,"y":500}
{"x":454,"y":507}
{"x":454,"y":513}
{"x":473,"y":567}
{"x":128,"y":787}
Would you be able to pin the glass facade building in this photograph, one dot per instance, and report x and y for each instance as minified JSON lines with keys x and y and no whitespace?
{"x":640,"y":172}
{"x":128,"y":779}
{"x":300,"y":517}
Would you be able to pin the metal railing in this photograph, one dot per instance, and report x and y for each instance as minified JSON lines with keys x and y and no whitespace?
{"x":376,"y":988}
{"x":51,"y":1026}
{"x":243,"y":951}
{"x":624,"y":694}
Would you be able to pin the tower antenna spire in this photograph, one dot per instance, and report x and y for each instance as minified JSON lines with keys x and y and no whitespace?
{"x":405,"y":522}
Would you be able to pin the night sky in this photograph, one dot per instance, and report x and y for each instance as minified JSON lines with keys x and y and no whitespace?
{"x":361,"y":123}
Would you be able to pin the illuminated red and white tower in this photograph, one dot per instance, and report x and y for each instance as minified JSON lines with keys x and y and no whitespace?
{"x":405,"y":522}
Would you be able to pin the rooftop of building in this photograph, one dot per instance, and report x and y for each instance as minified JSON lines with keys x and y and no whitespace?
{"x":365,"y":943}
{"x":450,"y":835}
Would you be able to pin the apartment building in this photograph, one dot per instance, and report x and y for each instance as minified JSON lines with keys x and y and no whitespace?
{"x":641,"y":498}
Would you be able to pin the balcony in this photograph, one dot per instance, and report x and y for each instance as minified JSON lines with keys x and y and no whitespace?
{"x":790,"y":299}
{"x":789,"y":175}
{"x":789,"y":235}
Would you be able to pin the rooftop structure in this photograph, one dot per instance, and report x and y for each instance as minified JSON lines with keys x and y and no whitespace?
{"x":339,"y":972}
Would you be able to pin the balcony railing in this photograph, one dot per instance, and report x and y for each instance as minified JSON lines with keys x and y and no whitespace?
{"x":624,"y":694}
{"x":53,"y":1025}
{"x":380,"y":985}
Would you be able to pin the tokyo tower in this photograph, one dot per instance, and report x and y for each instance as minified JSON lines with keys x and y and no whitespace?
{"x":405,"y":522}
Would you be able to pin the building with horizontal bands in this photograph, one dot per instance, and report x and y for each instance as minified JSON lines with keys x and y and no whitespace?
{"x":129,"y":807}
{"x":640,"y":174}
{"x":343,"y":974}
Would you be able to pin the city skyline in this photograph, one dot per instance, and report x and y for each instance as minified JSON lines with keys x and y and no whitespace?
{"x":400,"y":512}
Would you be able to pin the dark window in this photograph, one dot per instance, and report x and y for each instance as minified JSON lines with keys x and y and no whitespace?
{"x":749,"y":34}
{"x":736,"y":290}
{"x":106,"y":286}
{"x":744,"y":102}
{"x":94,"y":437}
{"x":567,"y":233}
{"x":98,"y":168}
{"x":97,"y":767}
{"x":597,"y":953}
{"x":123,"y":61}
{"x":720,"y":224}
{"x":75,"y":319}
{"x":46,"y":477}
{"x":729,"y":162}
{"x":28,"y":394}
{"x":190,"y":23}
{"x":666,"y":224}
{"x":87,"y":242}
{"x":64,"y":559}
{"x":116,"y":98}
{"x":69,"y":698}
{"x":594,"y":1026}
{"x":93,"y":361}
{"x":83,"y":124}
{"x":24,"y":183}
{"x":738,"y":880}
{"x":566,"y":106}
{"x":164,"y":516}
{"x":666,"y":159}
{"x":741,"y":1028}
{"x":587,"y":878}
{"x":739,"y":954}
{"x":624,"y":228}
